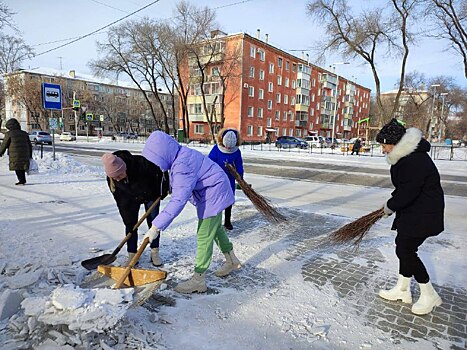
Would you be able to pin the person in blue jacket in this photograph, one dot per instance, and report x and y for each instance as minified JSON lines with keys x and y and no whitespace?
{"x":227,"y":151}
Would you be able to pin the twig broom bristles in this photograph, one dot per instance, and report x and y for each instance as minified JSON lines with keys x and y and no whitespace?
{"x":260,"y":203}
{"x":357,"y":229}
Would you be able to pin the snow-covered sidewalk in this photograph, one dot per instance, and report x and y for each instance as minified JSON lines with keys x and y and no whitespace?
{"x":295,"y":290}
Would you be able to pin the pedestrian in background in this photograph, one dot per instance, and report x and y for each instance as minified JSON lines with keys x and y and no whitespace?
{"x":133,"y":181}
{"x":194,"y":177}
{"x":356,"y":146}
{"x":418,"y":201}
{"x":19,"y":149}
{"x":227,"y":151}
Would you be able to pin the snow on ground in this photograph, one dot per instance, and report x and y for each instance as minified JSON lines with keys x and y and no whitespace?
{"x":66,"y":214}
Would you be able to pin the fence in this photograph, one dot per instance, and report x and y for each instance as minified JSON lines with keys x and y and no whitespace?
{"x":441,"y":152}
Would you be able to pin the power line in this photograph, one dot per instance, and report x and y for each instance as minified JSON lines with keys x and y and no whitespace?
{"x":75,"y":39}
{"x":96,"y":31}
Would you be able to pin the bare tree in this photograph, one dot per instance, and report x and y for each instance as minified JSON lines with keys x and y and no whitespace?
{"x":449,"y":23}
{"x":372,"y":35}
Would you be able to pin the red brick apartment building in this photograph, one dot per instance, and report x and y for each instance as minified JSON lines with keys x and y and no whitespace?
{"x":271,"y":92}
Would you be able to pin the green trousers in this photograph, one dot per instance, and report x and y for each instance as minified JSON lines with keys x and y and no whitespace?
{"x":210,"y":230}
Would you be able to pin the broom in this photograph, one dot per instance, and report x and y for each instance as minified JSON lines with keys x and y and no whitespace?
{"x":357,"y":229}
{"x":261,"y":204}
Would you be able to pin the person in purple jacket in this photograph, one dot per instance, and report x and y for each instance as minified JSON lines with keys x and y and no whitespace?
{"x":227,"y":151}
{"x":196,"y":178}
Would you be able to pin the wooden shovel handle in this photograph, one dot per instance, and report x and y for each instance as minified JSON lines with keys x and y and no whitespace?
{"x":140,"y":221}
{"x":132,"y":263}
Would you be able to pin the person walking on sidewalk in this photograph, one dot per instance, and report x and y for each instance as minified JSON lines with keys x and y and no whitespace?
{"x":356,"y":146}
{"x":227,"y":151}
{"x":19,"y":149}
{"x":418,"y":201}
{"x":133,"y":181}
{"x":194,"y":177}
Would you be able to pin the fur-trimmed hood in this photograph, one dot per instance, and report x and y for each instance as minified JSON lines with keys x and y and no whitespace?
{"x":411,"y":141}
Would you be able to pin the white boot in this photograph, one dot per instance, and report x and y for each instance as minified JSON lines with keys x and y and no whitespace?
{"x":401,"y":291}
{"x":197,"y":283}
{"x":155,"y":259}
{"x":231,"y":263}
{"x":427,"y":301}
{"x":127,"y":261}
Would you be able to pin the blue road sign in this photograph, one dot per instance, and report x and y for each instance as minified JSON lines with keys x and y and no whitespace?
{"x":52,"y":96}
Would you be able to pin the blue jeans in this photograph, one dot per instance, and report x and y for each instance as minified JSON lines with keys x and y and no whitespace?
{"x":132,"y":244}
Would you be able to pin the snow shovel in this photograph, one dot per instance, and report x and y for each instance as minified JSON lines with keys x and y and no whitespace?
{"x":106,"y":259}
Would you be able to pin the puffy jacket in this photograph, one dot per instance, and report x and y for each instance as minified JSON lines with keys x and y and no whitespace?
{"x":221,"y":157}
{"x":145,"y":182}
{"x":193,"y":177}
{"x":418,"y":198}
{"x":18,"y":145}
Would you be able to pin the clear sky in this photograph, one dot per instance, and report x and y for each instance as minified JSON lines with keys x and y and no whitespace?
{"x":285,"y":21}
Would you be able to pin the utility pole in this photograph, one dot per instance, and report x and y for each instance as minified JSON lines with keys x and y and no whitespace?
{"x":441,"y":124}
{"x":76,"y":119}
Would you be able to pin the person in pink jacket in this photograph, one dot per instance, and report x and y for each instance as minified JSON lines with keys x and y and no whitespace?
{"x":195,"y":178}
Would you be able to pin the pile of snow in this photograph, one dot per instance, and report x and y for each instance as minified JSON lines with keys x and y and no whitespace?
{"x":65,"y":164}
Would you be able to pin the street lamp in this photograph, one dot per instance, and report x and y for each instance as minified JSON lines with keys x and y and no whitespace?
{"x":440,"y":131}
{"x":337,"y":99}
{"x":434,"y":86}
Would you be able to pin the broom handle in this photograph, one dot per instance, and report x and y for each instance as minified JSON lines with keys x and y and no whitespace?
{"x":140,"y":221}
{"x":131,"y":264}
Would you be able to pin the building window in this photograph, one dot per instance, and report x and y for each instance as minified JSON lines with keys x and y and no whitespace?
{"x":290,"y":116}
{"x":278,"y":98}
{"x":260,"y":112}
{"x":312,"y":97}
{"x":286,"y":65}
{"x":261,"y":54}
{"x":260,"y":94}
{"x":260,"y":131}
{"x":251,"y":111}
{"x":279,"y":80}
{"x":284,"y":116}
{"x":269,"y":122}
{"x":249,"y":130}
{"x":269,"y":104}
{"x":271,"y":67}
{"x":284,"y":131}
{"x":270,"y":87}
{"x":215,"y":71}
{"x":195,"y":108}
{"x":313,"y":82}
{"x":298,"y":132}
{"x":290,"y":132}
{"x":252,"y":51}
{"x":292,"y":101}
{"x":277,"y":131}
{"x":312,"y":112}
{"x":293,"y":84}
{"x":286,"y":82}
{"x":261,"y":74}
{"x":278,"y":115}
{"x":286,"y":99}
{"x":294,"y":67}
{"x":199,"y":129}
{"x":279,"y":62}
{"x":251,"y":91}
{"x":252,"y":72}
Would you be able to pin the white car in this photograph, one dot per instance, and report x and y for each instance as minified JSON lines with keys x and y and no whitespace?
{"x":315,"y":141}
{"x":67,"y":136}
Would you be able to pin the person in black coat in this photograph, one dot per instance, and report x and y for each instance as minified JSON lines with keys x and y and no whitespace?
{"x":133,"y":181}
{"x":356,"y":146}
{"x":19,"y":149}
{"x":418,"y":204}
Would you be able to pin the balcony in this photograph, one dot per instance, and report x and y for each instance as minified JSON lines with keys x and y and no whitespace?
{"x":328,"y":78}
{"x":301,"y":123}
{"x":197,"y":118}
{"x":326,"y":98}
{"x":347,"y":128}
{"x":325,"y":125}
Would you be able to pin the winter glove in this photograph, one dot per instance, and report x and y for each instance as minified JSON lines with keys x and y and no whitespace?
{"x":387,"y":211}
{"x":152,"y":233}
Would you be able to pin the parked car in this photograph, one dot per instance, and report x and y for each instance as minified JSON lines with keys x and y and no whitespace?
{"x":128,"y":135}
{"x":40,"y":137}
{"x":315,"y":141}
{"x":291,"y":142}
{"x":67,"y":136}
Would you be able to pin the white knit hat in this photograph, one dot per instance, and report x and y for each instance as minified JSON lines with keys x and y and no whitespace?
{"x":229,"y":139}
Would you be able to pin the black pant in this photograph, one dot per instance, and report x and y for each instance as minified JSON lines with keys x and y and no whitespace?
{"x":409,"y":262}
{"x":21,"y":175}
{"x":130,"y":218}
{"x":227,"y":215}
